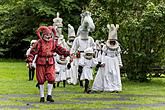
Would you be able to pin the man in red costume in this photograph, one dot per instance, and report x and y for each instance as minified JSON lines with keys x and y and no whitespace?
{"x":44,"y":48}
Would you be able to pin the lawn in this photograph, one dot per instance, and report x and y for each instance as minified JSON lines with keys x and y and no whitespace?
{"x":17,"y":93}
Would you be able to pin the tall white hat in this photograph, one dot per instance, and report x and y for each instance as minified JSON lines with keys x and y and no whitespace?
{"x":112,"y":35}
{"x":112,"y":31}
{"x":58,"y":21}
{"x":71,"y":31}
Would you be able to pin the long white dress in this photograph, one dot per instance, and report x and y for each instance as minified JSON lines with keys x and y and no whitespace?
{"x":73,"y":72}
{"x":87,"y":72}
{"x":61,"y":68}
{"x":108,"y":77}
{"x":98,"y":84}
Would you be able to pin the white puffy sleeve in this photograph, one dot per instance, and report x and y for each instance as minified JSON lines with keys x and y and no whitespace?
{"x":119,"y":56}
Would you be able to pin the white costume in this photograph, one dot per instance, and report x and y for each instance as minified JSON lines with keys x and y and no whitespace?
{"x":60,"y":63}
{"x":73,"y":71}
{"x":28,"y":52}
{"x":87,"y":63}
{"x":83,"y":41}
{"x":32,"y":70}
{"x":108,"y":77}
{"x":61,"y":68}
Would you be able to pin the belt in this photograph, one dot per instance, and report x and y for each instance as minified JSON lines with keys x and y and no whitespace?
{"x":61,"y":63}
{"x":45,"y":56}
{"x":112,"y":56}
{"x":81,"y":51}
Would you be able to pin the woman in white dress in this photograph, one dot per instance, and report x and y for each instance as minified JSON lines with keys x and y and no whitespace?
{"x":108,"y":76}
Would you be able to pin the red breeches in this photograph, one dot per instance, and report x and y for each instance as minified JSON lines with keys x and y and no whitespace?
{"x":45,"y":73}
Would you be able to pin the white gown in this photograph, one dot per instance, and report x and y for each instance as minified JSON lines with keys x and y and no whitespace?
{"x":61,"y":68}
{"x":108,"y":77}
{"x":87,"y":72}
{"x":98,"y":84}
{"x":73,"y":72}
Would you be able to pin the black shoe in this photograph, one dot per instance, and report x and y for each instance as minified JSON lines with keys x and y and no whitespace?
{"x":81,"y":83}
{"x":38,"y":86}
{"x":49,"y":98}
{"x":42,"y":99}
{"x":54,"y":85}
{"x":87,"y":91}
{"x":58,"y":84}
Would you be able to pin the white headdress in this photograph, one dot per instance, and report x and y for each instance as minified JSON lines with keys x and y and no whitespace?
{"x":71,"y":31}
{"x":58,"y":21}
{"x":112,"y":36}
{"x":58,"y":24}
{"x":87,"y":25}
{"x":112,"y":31}
{"x":71,"y":35}
{"x":32,"y":42}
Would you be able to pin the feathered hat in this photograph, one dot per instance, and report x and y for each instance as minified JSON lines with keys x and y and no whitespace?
{"x":44,"y":30}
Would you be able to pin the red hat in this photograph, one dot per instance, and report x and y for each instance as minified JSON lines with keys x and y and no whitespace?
{"x":44,"y":30}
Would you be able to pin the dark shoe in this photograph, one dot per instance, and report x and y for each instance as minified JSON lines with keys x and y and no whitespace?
{"x":81,"y":83}
{"x":88,"y":91}
{"x":58,"y":84}
{"x":64,"y":81}
{"x":49,"y":98}
{"x":117,"y":91}
{"x":42,"y":99}
{"x":38,"y":86}
{"x":54,"y":85}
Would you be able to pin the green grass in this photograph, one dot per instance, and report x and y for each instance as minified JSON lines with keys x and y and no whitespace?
{"x":16,"y":90}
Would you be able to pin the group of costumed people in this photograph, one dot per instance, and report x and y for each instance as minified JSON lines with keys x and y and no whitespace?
{"x":73,"y":61}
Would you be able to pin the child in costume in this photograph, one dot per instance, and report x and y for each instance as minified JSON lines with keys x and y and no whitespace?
{"x":87,"y":63}
{"x":32,"y":69}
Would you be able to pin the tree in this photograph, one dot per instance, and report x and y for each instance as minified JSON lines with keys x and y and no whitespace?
{"x":141,"y":28}
{"x":20,"y":18}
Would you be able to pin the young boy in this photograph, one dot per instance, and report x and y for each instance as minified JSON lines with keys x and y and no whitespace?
{"x":86,"y":64}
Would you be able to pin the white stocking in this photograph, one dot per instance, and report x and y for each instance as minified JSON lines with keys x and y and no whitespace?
{"x":41,"y":90}
{"x":50,"y":86}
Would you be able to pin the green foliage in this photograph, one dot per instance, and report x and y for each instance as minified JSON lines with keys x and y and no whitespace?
{"x":20,"y":18}
{"x":141,"y":32}
{"x":145,"y":42}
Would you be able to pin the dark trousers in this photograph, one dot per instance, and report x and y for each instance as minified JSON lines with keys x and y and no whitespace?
{"x":86,"y":85}
{"x":31,"y":73}
{"x":64,"y":83}
{"x":80,"y":68}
